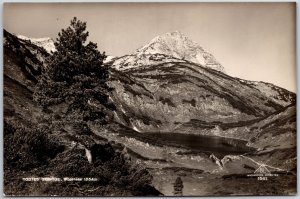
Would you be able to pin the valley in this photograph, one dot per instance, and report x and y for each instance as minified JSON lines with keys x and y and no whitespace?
{"x":178,"y":114}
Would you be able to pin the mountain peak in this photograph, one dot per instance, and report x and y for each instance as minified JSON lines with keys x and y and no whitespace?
{"x":176,"y":33}
{"x":47,"y":43}
{"x":174,"y":39}
{"x":178,"y":45}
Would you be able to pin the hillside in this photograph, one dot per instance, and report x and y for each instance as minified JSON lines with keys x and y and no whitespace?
{"x":33,"y":150}
{"x":165,"y":95}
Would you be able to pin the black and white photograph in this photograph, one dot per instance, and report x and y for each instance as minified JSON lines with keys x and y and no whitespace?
{"x":149,"y":99}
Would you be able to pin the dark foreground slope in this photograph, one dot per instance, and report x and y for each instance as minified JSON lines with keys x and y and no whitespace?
{"x":32,"y":150}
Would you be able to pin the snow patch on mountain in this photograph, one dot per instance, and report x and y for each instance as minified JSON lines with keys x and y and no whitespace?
{"x":108,"y":59}
{"x":135,"y":61}
{"x":47,"y":43}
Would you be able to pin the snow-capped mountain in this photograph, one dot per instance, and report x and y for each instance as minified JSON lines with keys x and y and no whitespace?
{"x":170,"y":47}
{"x":47,"y":43}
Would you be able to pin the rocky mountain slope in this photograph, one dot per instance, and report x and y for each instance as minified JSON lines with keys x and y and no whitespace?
{"x":165,"y":95}
{"x":23,"y":61}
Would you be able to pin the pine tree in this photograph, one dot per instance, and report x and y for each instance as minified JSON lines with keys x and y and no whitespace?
{"x":76,"y":77}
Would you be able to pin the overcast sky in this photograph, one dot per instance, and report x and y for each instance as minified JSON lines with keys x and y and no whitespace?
{"x":253,"y":41}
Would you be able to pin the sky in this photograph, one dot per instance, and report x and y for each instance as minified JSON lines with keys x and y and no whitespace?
{"x":253,"y":41}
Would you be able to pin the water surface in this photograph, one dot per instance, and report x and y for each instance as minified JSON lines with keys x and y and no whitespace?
{"x":212,"y":144}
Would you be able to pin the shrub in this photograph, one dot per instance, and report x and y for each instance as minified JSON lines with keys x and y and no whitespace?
{"x":26,"y":148}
